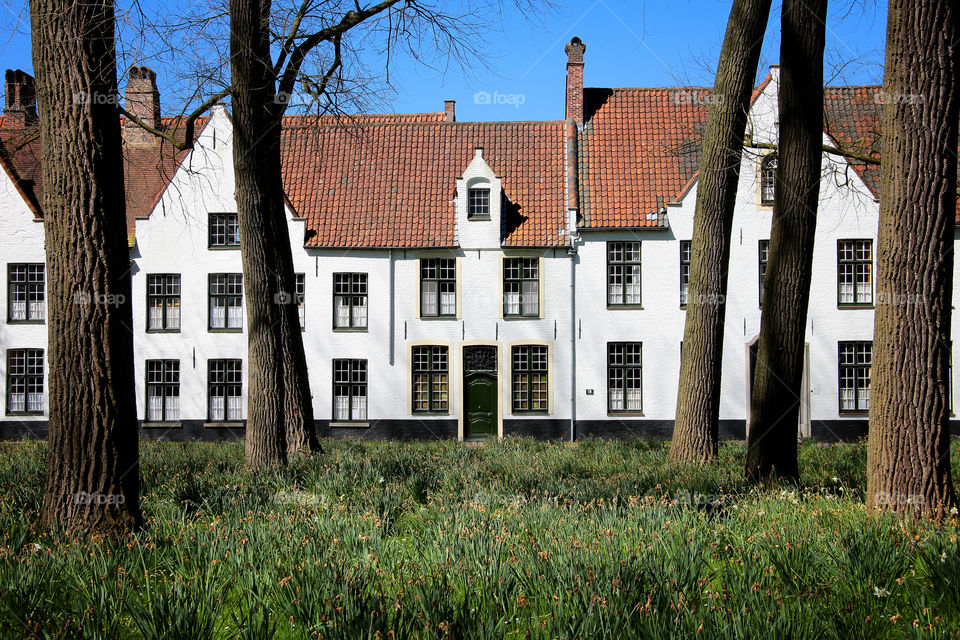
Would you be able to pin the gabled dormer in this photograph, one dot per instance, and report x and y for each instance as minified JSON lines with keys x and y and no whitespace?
{"x":479,"y":204}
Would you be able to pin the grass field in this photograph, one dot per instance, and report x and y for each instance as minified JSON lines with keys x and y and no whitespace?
{"x":519,"y":539}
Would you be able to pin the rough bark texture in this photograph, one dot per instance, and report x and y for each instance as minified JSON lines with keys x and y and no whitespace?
{"x":93,"y":475}
{"x":908,"y":459}
{"x":695,"y":432}
{"x":280,"y":411}
{"x":776,"y":390}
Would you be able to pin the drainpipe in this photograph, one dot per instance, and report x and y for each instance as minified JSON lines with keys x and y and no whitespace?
{"x":392,"y":319}
{"x":573,"y":207}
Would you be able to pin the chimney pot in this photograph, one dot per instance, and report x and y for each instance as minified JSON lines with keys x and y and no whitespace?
{"x":574,"y":98}
{"x":20,"y":107}
{"x":143,"y":101}
{"x":449,"y":110}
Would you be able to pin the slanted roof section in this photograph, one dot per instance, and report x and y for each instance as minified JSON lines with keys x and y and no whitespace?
{"x":640,"y":148}
{"x":852,"y":120}
{"x":390,"y":181}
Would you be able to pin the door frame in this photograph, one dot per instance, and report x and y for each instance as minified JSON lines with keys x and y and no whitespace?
{"x":803,"y":418}
{"x":462,"y":394}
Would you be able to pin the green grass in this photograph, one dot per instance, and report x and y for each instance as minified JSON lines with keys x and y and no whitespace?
{"x":511,"y":540}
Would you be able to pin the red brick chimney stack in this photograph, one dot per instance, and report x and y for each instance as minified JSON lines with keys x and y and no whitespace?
{"x":143,"y":101}
{"x":20,"y":107}
{"x":575,"y":51}
{"x":450,"y":110}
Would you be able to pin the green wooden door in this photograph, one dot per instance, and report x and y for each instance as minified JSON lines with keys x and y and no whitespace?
{"x":480,"y":392}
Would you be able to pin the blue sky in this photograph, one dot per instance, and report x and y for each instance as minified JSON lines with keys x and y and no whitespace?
{"x":630,"y":43}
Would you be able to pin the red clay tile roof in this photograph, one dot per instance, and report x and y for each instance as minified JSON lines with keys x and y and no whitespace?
{"x":389,"y":182}
{"x":147,"y":171}
{"x":639,"y":148}
{"x":852,"y":120}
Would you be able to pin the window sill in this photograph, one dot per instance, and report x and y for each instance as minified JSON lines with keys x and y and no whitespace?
{"x":478,"y":218}
{"x":224,"y":423}
{"x":350,"y":330}
{"x":523,"y":317}
{"x":212,"y":330}
{"x":24,"y":414}
{"x":153,"y":425}
{"x":431,"y":414}
{"x":163,"y":330}
{"x":434,"y":318}
{"x":625,"y":414}
{"x":349,"y":425}
{"x":853,"y":414}
{"x":35,"y":322}
{"x":225,"y":247}
{"x":533,"y":412}
{"x":624,"y":307}
{"x":765,"y":206}
{"x":855,"y":306}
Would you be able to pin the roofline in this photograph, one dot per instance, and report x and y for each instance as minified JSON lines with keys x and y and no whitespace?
{"x":31,"y":201}
{"x":659,"y":227}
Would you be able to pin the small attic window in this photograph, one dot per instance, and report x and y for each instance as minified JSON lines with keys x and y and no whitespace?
{"x":768,"y":179}
{"x":478,"y":203}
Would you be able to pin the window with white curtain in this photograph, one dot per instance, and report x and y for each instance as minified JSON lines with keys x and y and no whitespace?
{"x":225,"y":390}
{"x":350,"y":301}
{"x":854,"y":272}
{"x":24,"y":381}
{"x":624,"y":377}
{"x":438,"y":287}
{"x":349,"y":390}
{"x":623,"y":274}
{"x":521,"y":287}
{"x":163,"y":390}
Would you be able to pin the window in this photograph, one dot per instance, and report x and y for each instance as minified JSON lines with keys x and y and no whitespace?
{"x":521,"y":287}
{"x":224,"y":230}
{"x":855,"y":359}
{"x":163,"y":302}
{"x":763,"y":255}
{"x":855,"y":272}
{"x":349,"y":300}
{"x":530,"y":379}
{"x":478,"y":204}
{"x":623,"y":273}
{"x":163,"y":390}
{"x":25,"y":293}
{"x":349,"y":390}
{"x":226,"y":301}
{"x":624,"y":377}
{"x":430,"y":380}
{"x":768,"y":179}
{"x":685,"y":255}
{"x":25,"y":381}
{"x":300,"y":285}
{"x":225,"y":390}
{"x":438,"y":287}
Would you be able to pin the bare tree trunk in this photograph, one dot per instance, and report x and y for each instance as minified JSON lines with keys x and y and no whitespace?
{"x":93,"y":474}
{"x":695,"y":433}
{"x":775,"y":396}
{"x":280,"y":411}
{"x":908,"y":459}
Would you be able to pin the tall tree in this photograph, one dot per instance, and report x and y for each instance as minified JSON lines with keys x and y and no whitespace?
{"x":908,"y":459}
{"x":695,"y":433}
{"x":93,"y":477}
{"x":776,"y":390}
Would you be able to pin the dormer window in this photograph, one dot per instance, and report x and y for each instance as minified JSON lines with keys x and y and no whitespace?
{"x":478,"y":203}
{"x":768,"y":179}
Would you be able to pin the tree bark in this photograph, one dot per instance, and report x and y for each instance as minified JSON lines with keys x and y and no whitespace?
{"x":695,"y":433}
{"x":93,"y":475}
{"x":776,"y":390}
{"x":280,"y":410}
{"x":908,"y":459}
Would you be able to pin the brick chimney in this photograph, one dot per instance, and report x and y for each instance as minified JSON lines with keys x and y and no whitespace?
{"x":449,"y":110}
{"x":143,"y":101}
{"x":575,"y":51}
{"x":20,"y":108}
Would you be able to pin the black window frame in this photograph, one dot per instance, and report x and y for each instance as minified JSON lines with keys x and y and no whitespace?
{"x":857,"y":369}
{"x":524,"y":354}
{"x":168,"y":384}
{"x":853,"y":264}
{"x":32,"y":289}
{"x":300,"y":293}
{"x":518,"y":280}
{"x":763,"y":257}
{"x":434,"y":374}
{"x":624,"y":368}
{"x":164,"y":297}
{"x":28,"y":379}
{"x":225,"y":226}
{"x":620,"y":248}
{"x":232,"y":381}
{"x":351,"y":286}
{"x":443,"y":272}
{"x":478,"y":203}
{"x":768,"y":179}
{"x":357,"y":377}
{"x":230,"y":279}
{"x":686,"y":258}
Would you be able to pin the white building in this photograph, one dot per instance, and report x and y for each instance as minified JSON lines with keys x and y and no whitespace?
{"x":459,"y":279}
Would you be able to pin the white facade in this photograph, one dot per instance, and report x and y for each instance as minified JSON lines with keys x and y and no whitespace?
{"x":174,"y":240}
